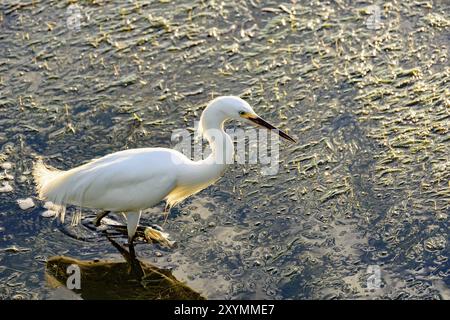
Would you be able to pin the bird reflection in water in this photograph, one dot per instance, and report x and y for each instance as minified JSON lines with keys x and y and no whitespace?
{"x":131,"y":279}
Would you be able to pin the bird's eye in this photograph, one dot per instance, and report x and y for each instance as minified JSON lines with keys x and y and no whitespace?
{"x":241,"y":113}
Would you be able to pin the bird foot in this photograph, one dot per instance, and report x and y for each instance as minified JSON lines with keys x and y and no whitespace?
{"x":98,"y":219}
{"x":153,"y":235}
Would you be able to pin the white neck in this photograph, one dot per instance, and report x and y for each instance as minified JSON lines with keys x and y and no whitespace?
{"x":207,"y":171}
{"x":222,"y":149}
{"x":193,"y":176}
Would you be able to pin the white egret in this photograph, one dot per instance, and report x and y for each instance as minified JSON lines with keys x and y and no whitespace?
{"x":132,"y":180}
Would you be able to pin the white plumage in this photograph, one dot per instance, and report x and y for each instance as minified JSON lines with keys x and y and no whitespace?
{"x":132,"y":180}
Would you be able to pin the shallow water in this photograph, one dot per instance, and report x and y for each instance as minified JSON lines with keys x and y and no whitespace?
{"x":366,"y":186}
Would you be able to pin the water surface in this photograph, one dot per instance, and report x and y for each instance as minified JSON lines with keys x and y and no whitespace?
{"x":366,"y":185}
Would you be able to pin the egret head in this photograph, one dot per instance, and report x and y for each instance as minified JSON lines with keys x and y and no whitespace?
{"x":237,"y":109}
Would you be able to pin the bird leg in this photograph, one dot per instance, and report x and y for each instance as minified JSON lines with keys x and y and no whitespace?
{"x":132,"y":224}
{"x":99,"y":217}
{"x":130,"y":257}
{"x":153,"y":234}
{"x":126,"y":254}
{"x":166,"y":213}
{"x":131,"y":248}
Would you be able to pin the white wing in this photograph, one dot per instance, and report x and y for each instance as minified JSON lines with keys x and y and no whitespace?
{"x":123,"y":181}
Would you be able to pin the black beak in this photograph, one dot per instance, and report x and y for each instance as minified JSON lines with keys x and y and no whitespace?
{"x":263,"y":123}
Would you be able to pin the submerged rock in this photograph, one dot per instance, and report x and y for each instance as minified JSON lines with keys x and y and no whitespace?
{"x":25,"y":204}
{"x":435,"y":243}
{"x":6,"y":165}
{"x":48,"y":214}
{"x":6,"y":176}
{"x":51,"y":211}
{"x":6,"y":187}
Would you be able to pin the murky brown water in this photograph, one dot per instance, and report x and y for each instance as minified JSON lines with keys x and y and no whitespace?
{"x":366,"y":185}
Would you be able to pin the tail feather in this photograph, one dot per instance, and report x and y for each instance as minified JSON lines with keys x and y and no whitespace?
{"x":44,"y":176}
{"x":47,"y":181}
